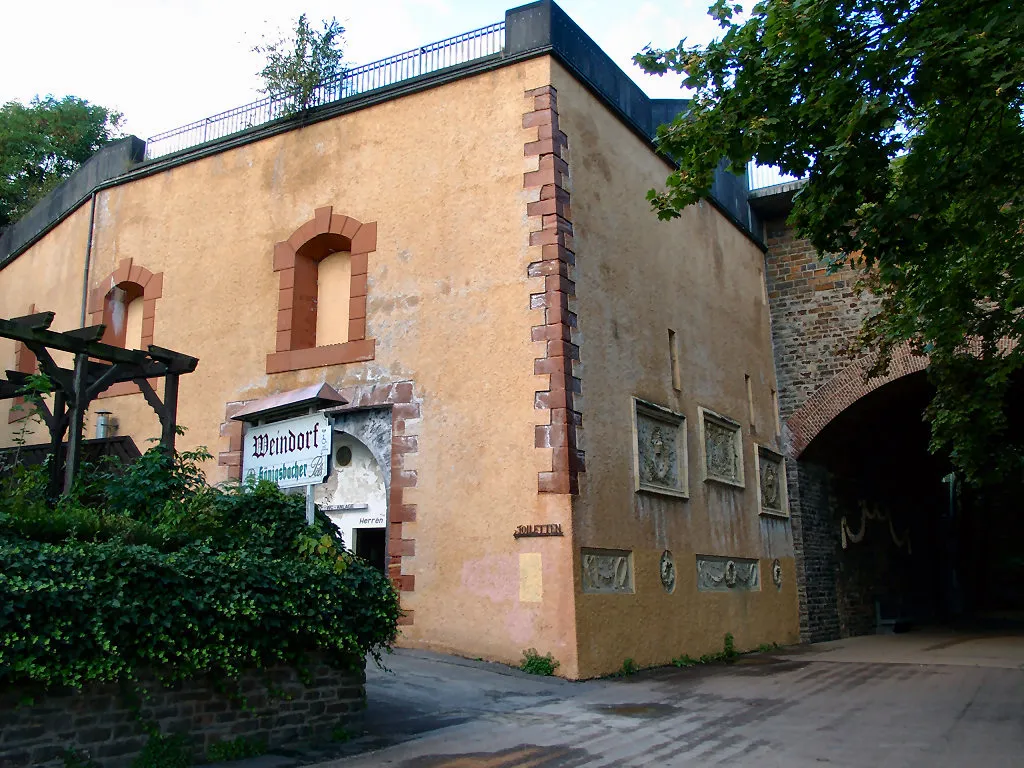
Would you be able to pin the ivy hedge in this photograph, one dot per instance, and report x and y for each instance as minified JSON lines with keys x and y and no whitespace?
{"x":150,"y":569}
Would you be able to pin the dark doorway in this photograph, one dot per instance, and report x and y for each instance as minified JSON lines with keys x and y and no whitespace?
{"x":911,"y":542}
{"x":369,"y":545}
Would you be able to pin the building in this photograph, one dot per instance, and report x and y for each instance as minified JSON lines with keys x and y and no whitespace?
{"x":565,"y":409}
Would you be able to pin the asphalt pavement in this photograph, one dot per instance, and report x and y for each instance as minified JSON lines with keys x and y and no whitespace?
{"x":920,"y":700}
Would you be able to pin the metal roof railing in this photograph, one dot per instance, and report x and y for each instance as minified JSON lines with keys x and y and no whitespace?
{"x":478,"y":44}
{"x":761,"y":176}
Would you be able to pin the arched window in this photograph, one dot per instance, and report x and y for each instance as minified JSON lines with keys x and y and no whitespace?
{"x":321,"y":317}
{"x":125,"y":302}
{"x":333,"y":286}
{"x":122,"y":316}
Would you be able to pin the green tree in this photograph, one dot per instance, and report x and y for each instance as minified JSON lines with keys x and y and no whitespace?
{"x":907,"y":119}
{"x":298,"y":63}
{"x":43,"y":143}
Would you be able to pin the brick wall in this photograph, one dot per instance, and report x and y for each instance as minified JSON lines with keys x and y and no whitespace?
{"x":100,"y":722}
{"x":814,"y":315}
{"x":815,"y":545}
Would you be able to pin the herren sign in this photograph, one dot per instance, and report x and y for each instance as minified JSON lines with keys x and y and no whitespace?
{"x":291,"y":453}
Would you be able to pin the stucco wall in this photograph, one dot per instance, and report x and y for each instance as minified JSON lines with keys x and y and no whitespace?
{"x":636,"y":278}
{"x":51,"y":279}
{"x":441,"y":174}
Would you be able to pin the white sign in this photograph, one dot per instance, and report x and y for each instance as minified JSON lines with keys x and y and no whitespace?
{"x":291,"y":453}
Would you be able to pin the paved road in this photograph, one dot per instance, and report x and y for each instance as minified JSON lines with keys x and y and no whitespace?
{"x":792,"y":709}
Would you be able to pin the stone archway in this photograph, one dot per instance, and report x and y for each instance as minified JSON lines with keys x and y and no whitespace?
{"x":842,"y":391}
{"x":355,"y":495}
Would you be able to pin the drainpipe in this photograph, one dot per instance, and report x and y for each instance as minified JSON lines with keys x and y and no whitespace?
{"x":88,"y":257}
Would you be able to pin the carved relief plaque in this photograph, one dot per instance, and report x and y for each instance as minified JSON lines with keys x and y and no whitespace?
{"x":777,"y":574}
{"x":723,"y":448}
{"x":771,"y":482}
{"x":607,"y":570}
{"x":667,"y":567}
{"x":659,"y":450}
{"x":728,"y":574}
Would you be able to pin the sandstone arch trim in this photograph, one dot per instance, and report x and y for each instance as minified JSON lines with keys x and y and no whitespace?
{"x":137,"y":282}
{"x":295,"y":261}
{"x":842,"y":391}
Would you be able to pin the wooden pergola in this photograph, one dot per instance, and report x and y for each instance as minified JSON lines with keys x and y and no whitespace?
{"x":97,"y":366}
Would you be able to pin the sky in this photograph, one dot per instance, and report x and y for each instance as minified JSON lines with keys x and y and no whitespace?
{"x":164,"y":63}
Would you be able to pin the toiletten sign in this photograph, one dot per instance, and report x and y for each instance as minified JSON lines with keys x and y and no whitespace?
{"x":290,"y":453}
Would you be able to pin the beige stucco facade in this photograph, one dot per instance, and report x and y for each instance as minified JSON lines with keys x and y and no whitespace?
{"x":448,"y":304}
{"x":637,"y":278}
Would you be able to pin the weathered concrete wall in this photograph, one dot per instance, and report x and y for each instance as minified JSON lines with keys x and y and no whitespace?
{"x":636,"y":278}
{"x":440,"y":173}
{"x":101,"y":723}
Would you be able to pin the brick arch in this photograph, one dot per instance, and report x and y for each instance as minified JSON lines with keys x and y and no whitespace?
{"x":295,"y":261}
{"x":842,"y":391}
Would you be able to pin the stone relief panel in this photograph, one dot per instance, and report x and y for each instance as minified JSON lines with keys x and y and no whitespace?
{"x":659,"y":450}
{"x":728,"y":574}
{"x":723,"y":448}
{"x":607,"y":570}
{"x":777,"y":574}
{"x":771,"y":482}
{"x":667,"y":567}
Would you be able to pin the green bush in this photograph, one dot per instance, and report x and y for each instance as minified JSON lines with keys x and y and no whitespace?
{"x":536,"y":664}
{"x":151,"y":569}
{"x":236,"y":749}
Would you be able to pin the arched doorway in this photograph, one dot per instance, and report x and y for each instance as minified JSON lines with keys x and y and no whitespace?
{"x":891,"y":539}
{"x":355,"y":498}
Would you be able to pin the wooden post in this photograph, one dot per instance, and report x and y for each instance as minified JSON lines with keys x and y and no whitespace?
{"x":76,"y":418}
{"x":169,"y":419}
{"x":56,"y":444}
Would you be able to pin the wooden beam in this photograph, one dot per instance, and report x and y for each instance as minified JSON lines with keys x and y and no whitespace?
{"x":68,"y":343}
{"x":89,"y":333}
{"x":176,"y":361}
{"x":40,"y":321}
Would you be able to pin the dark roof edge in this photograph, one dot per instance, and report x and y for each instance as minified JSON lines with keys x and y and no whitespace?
{"x":110,"y":162}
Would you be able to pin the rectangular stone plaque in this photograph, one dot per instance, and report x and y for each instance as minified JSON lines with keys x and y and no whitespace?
{"x":722,"y":441}
{"x":771,"y":483}
{"x":607,"y":570}
{"x":728,"y":574}
{"x":659,"y":450}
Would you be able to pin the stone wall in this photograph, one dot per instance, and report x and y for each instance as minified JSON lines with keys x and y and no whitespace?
{"x":814,"y":315}
{"x":815,"y":541}
{"x":101,"y":722}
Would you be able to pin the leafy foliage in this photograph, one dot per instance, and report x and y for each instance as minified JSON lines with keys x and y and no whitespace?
{"x":164,"y":752}
{"x":728,"y":654}
{"x":298,"y":63}
{"x":628,"y":668}
{"x":907,"y":117}
{"x":43,"y":143}
{"x":151,"y":569}
{"x":535,"y":664}
{"x":236,"y":749}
